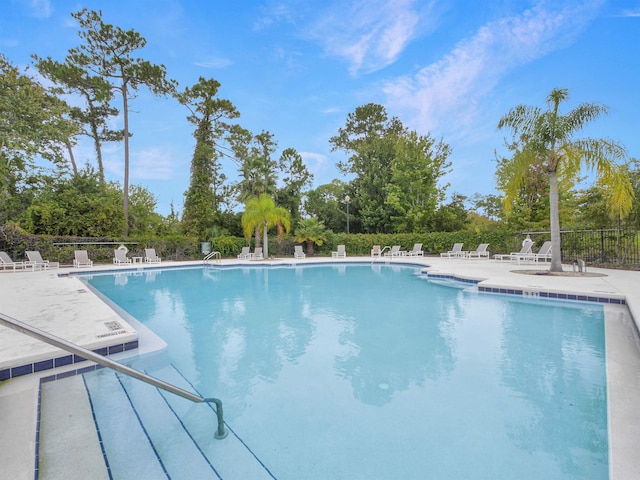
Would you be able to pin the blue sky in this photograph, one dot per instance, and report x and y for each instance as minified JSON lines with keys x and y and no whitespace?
{"x":297,"y":68}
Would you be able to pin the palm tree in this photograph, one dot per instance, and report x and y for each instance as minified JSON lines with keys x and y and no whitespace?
{"x":312,"y":231}
{"x":547,"y":139}
{"x":262,"y":211}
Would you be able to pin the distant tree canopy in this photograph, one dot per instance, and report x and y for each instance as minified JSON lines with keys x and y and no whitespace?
{"x":395,"y":188}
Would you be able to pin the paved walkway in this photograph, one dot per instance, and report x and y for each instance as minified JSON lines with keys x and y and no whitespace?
{"x":62,"y":305}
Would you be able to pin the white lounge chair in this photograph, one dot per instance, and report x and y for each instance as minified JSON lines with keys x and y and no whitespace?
{"x":82,"y":259}
{"x":417,"y":251}
{"x":544,"y":253}
{"x":479,"y":252}
{"x":297,"y":252}
{"x":150,"y":256}
{"x":120,"y":257}
{"x":6,"y":262}
{"x":394,"y":252}
{"x":36,"y":261}
{"x":523,"y":255}
{"x":245,"y":254}
{"x":257,"y":254}
{"x":455,"y":252}
{"x":375,"y":251}
{"x":341,"y":253}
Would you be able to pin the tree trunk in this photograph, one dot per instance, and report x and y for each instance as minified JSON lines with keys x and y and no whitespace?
{"x":556,"y":256}
{"x":98,"y":148}
{"x":310,"y":247}
{"x":266,"y":246}
{"x":72,"y":159}
{"x":125,"y":188}
{"x":257,"y":235}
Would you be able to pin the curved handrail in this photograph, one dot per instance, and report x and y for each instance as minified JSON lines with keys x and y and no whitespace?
{"x":41,"y":335}
{"x":211,"y":255}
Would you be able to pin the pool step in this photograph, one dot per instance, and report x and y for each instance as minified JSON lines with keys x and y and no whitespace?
{"x":148,"y":433}
{"x":69,"y":446}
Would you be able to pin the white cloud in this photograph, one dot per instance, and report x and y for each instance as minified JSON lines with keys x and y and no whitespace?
{"x":315,"y":162}
{"x":450,"y":89}
{"x":213,"y":62}
{"x":273,"y":15}
{"x":152,"y":164}
{"x":630,"y":13}
{"x":368,"y":34}
{"x":39,"y":8}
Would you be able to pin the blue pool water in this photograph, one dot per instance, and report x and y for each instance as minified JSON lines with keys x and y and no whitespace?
{"x":361,"y":372}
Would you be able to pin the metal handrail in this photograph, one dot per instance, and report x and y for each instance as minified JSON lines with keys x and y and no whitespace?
{"x":211,"y":255}
{"x":381,"y":255}
{"x":22,"y":327}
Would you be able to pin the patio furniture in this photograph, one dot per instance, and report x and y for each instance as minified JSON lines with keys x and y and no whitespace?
{"x":36,"y":261}
{"x":120,"y":257}
{"x":416,"y":252}
{"x":6,"y":262}
{"x":455,"y":252}
{"x":341,"y":253}
{"x":150,"y":256}
{"x":81,"y":259}
{"x":480,"y":252}
{"x":394,"y":252}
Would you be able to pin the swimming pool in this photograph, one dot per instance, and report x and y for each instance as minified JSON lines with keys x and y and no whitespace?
{"x":355,"y":371}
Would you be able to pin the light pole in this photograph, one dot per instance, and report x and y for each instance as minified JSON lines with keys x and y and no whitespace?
{"x":347,"y":200}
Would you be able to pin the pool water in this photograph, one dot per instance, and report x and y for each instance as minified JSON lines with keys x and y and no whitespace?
{"x":373,"y":372}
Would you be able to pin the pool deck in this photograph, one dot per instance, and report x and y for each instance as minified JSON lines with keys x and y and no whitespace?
{"x":58,"y":302}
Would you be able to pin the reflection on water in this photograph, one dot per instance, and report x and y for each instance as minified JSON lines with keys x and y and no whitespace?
{"x":315,"y":363}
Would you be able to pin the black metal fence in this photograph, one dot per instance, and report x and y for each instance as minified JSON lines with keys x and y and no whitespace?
{"x":605,"y":247}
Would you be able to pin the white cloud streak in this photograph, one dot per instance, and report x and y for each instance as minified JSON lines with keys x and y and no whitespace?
{"x":213,"y":62}
{"x":369,"y":34}
{"x":450,"y":89}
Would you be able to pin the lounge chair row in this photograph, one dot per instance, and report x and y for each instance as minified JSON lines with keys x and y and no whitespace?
{"x":246,"y":254}
{"x":524,"y":255}
{"x":395,"y":251}
{"x":457,"y":252}
{"x":81,"y":259}
{"x":34,"y":261}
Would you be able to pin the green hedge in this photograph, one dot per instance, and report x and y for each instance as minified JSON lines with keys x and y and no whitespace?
{"x":432,"y":243}
{"x":181,"y":247}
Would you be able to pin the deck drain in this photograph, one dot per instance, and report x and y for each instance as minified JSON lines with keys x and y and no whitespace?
{"x":113,"y":326}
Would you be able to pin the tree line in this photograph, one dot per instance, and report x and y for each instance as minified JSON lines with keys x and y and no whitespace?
{"x":396,"y":174}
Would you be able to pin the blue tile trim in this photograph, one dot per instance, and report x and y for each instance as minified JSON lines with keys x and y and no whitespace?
{"x":51,"y":363}
{"x":21,"y":370}
{"x":554,"y":295}
{"x":44,"y":365}
{"x":36,"y":472}
{"x":62,"y":361}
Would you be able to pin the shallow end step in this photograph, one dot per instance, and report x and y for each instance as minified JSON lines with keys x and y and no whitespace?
{"x":69,"y":443}
{"x":18,"y":417}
